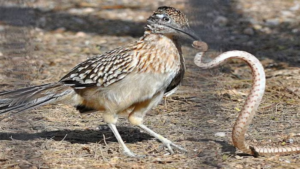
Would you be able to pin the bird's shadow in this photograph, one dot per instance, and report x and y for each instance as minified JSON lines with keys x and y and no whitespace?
{"x":225,"y":146}
{"x":129,"y":135}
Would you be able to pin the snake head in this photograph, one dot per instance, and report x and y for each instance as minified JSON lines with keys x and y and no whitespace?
{"x":202,"y":46}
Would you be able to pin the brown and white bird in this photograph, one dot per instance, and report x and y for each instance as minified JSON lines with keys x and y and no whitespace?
{"x":129,"y":80}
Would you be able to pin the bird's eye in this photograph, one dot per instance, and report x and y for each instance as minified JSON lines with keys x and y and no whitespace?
{"x":166,"y":19}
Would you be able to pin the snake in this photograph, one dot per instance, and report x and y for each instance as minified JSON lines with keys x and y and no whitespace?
{"x":251,"y":104}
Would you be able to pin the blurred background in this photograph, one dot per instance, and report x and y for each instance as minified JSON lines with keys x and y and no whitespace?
{"x":41,"y":40}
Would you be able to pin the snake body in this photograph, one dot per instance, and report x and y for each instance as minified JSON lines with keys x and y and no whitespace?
{"x":252,"y":102}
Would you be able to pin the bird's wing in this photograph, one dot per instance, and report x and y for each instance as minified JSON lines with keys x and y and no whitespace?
{"x":102,"y":70}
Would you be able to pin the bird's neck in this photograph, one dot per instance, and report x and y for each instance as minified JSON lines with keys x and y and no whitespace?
{"x":163,"y":53}
{"x":173,"y":38}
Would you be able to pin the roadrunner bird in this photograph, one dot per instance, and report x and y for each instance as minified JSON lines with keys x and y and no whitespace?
{"x":129,"y":80}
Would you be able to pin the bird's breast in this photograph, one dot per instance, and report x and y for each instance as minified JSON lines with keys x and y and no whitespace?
{"x":158,"y":54}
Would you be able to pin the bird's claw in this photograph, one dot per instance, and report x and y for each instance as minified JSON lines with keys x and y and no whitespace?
{"x":129,"y":153}
{"x":169,"y":145}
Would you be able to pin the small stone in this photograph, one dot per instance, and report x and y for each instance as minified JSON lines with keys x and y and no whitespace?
{"x":211,"y":121}
{"x":80,"y":11}
{"x":80,"y":34}
{"x":291,"y":141}
{"x":248,"y":31}
{"x":250,"y":43}
{"x":42,"y":21}
{"x":238,"y":157}
{"x":296,"y":7}
{"x":220,"y":134}
{"x":59,"y":36}
{"x":290,"y":20}
{"x":33,"y":167}
{"x":295,"y":30}
{"x":266,"y":30}
{"x":272,"y":22}
{"x":257,"y":27}
{"x":87,"y":42}
{"x":60,"y":30}
{"x":253,"y":21}
{"x":88,"y":10}
{"x":239,"y":166}
{"x":1,"y":28}
{"x":221,"y":20}
{"x":287,"y":14}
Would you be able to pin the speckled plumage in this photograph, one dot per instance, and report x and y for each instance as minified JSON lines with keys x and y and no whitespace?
{"x":178,"y":16}
{"x":129,"y":80}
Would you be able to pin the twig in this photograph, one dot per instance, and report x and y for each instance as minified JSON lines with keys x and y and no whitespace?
{"x":64,"y":138}
{"x":102,"y":154}
{"x":104,"y":140}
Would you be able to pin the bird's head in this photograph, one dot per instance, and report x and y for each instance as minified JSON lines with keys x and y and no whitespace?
{"x":170,"y":21}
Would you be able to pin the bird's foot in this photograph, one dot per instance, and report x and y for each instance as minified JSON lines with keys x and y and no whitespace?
{"x":129,"y":153}
{"x":169,"y":144}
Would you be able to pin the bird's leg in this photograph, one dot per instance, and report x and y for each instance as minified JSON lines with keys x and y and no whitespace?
{"x":111,"y":119}
{"x":126,"y":150}
{"x":165,"y":102}
{"x":136,"y":118}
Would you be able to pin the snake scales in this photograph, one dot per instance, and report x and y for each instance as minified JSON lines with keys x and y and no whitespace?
{"x":251,"y":104}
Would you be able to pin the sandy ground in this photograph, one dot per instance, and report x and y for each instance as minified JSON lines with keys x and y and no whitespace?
{"x":42,"y":40}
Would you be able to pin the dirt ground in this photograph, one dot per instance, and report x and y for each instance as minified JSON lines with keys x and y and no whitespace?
{"x":41,"y":40}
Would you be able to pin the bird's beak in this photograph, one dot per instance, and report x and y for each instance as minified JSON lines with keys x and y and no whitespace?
{"x":189,"y":33}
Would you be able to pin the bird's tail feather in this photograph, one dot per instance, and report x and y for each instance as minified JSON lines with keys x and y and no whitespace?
{"x":31,"y":97}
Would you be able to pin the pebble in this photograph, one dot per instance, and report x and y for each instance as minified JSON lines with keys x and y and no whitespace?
{"x":211,"y":121}
{"x":80,"y":34}
{"x":296,"y":7}
{"x":250,"y":43}
{"x":248,"y":31}
{"x":58,"y":35}
{"x":220,"y":134}
{"x":288,"y":14}
{"x":42,"y":21}
{"x":257,"y":26}
{"x":238,"y":157}
{"x":1,"y":28}
{"x":89,"y":10}
{"x":295,"y":30}
{"x":266,"y":30}
{"x":60,"y":30}
{"x":239,"y":166}
{"x":221,"y":20}
{"x":81,"y":11}
{"x":78,"y":20}
{"x":253,"y":21}
{"x":87,"y":42}
{"x":272,"y":22}
{"x":290,"y":20}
